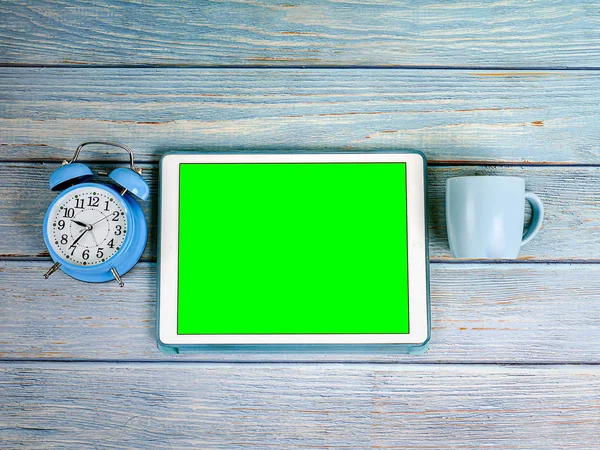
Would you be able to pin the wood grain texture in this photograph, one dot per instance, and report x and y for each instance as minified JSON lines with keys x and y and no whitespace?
{"x":25,"y":196}
{"x":450,"y":115}
{"x":79,"y":366}
{"x":309,"y":406}
{"x":176,"y":32}
{"x":501,"y":313}
{"x":571,"y":196}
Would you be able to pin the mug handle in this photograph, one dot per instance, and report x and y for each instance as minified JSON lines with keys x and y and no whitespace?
{"x":536,"y":219}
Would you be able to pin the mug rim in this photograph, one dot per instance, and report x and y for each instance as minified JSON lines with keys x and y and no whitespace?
{"x":481,"y":177}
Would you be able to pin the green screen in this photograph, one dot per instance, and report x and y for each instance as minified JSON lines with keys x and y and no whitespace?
{"x":292,"y":248}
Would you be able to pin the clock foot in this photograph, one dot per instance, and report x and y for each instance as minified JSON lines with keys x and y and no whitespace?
{"x":52,"y":269}
{"x":117,"y":277}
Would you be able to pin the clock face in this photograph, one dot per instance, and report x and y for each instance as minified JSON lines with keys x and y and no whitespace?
{"x":87,"y":226}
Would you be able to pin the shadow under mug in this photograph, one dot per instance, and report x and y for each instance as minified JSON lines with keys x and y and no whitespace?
{"x":485,"y":216}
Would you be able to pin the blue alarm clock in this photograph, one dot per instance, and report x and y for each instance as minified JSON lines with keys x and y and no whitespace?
{"x":96,"y":232}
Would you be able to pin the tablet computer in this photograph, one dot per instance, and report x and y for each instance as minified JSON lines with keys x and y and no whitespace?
{"x":293,"y":251}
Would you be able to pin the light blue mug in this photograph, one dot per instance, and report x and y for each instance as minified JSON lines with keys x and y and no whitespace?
{"x":485,"y":216}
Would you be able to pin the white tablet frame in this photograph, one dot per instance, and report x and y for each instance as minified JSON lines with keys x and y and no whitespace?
{"x":169,"y":240}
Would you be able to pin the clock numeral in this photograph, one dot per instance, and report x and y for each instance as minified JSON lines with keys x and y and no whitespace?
{"x":106,"y":207}
{"x":72,"y":248}
{"x":64,"y":239}
{"x":69,"y":213}
{"x":93,"y":201}
{"x":115,"y":216}
{"x":111,"y":243}
{"x":61,"y":224}
{"x":118,"y":230}
{"x":86,"y":254}
{"x":79,"y":205}
{"x":99,"y":253}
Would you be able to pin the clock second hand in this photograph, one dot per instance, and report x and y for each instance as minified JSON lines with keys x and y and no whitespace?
{"x":94,"y":238}
{"x":103,"y":217}
{"x":88,"y":228}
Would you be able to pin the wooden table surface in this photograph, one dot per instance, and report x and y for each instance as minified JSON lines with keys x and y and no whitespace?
{"x":499,"y":87}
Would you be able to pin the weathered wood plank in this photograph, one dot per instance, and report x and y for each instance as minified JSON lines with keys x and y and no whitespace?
{"x":450,"y":115}
{"x":508,"y":33}
{"x":503,"y":313}
{"x":25,"y":197}
{"x":571,"y":196}
{"x":298,"y":406}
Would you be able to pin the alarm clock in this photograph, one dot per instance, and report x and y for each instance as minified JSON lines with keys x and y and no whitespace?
{"x":96,"y":232}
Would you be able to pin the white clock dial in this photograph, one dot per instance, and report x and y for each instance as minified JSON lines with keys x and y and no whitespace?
{"x":87,"y":226}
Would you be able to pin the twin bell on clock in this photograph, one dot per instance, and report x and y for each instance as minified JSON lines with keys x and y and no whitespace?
{"x":94,"y":231}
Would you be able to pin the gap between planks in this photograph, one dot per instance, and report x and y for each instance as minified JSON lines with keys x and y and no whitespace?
{"x":565,"y":261}
{"x":207,"y":363}
{"x":430,"y":163}
{"x":300,"y":67}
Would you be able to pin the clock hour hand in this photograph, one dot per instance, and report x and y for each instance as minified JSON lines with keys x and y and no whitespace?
{"x":81,"y":224}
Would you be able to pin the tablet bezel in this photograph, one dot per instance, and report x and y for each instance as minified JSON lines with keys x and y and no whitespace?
{"x":169,"y":241}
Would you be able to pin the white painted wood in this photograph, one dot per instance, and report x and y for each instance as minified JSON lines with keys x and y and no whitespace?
{"x":571,"y":196}
{"x":298,"y":406}
{"x":508,"y":33}
{"x":450,"y":115}
{"x":502,"y":313}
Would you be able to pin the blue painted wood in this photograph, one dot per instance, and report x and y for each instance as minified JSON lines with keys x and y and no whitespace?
{"x":481,"y":313}
{"x":510,"y":33}
{"x":298,"y":406}
{"x":492,"y":313}
{"x":452,"y":116}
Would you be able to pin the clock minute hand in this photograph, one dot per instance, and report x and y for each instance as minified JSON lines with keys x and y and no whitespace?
{"x":79,"y":237}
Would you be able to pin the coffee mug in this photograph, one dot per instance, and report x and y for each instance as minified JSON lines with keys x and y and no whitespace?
{"x":485,"y":216}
